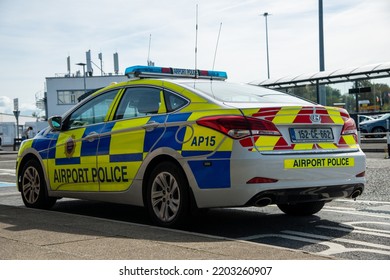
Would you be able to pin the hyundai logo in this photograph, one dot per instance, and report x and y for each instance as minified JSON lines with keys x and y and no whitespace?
{"x":315,"y":118}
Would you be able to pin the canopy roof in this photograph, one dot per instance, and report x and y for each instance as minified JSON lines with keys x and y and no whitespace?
{"x":373,"y":71}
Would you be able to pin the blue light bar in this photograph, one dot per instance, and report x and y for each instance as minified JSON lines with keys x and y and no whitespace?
{"x":158,"y":72}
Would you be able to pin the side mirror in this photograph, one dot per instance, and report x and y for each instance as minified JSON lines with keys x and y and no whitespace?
{"x":55,"y":122}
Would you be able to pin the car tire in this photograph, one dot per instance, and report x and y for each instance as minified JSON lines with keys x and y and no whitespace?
{"x":167,"y":196}
{"x":378,"y":130}
{"x":33,"y":187}
{"x":302,"y":209}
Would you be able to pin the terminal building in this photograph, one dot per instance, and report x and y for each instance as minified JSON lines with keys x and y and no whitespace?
{"x":63,"y":91}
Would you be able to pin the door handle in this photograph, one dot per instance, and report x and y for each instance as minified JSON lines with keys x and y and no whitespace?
{"x":92,"y":136}
{"x":150,"y":126}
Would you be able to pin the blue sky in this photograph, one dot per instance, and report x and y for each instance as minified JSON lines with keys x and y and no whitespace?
{"x":37,"y":36}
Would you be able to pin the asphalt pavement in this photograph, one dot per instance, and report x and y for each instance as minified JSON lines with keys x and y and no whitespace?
{"x":30,"y":234}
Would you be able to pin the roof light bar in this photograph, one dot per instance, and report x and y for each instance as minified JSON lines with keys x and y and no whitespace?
{"x":158,"y":72}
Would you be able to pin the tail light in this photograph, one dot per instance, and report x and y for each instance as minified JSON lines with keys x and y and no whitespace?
{"x":349,"y":127}
{"x":239,"y":126}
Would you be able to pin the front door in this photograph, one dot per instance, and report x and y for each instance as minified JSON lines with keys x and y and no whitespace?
{"x":73,"y":166}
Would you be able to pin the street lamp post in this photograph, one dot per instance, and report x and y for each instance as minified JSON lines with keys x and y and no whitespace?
{"x":16,"y":113}
{"x":85,"y":82}
{"x":266,"y":40}
{"x":321,"y":90}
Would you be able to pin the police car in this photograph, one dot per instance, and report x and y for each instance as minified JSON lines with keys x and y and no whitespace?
{"x":173,"y":140}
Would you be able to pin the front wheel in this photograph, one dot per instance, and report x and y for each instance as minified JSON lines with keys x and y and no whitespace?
{"x":167,"y":195}
{"x":302,"y":209}
{"x":33,"y":187}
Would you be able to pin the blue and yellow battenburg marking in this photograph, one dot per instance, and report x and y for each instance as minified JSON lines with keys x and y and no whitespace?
{"x":111,"y":162}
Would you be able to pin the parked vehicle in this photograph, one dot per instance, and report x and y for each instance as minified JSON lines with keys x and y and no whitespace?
{"x":377,"y":126}
{"x":364,"y":118}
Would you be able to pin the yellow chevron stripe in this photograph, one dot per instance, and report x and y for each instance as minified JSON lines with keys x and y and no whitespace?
{"x":335,"y":115}
{"x":267,"y":143}
{"x":303,"y":146}
{"x":286,"y":115}
{"x":327,"y":146}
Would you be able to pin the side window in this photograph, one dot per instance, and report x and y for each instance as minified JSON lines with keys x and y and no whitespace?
{"x":174,"y":101}
{"x":139,"y":101}
{"x":91,"y":112}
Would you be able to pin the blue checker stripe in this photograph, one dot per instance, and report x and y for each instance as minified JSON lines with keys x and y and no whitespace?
{"x":66,"y":161}
{"x":90,"y":148}
{"x":46,"y":145}
{"x":213,"y":175}
{"x":221,"y":155}
{"x":178,"y":117}
{"x":126,"y":157}
{"x":168,"y":138}
{"x":194,"y":153}
{"x":104,"y":145}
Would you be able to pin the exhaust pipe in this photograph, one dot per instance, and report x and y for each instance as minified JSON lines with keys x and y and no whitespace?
{"x":356,"y":193}
{"x":264,"y":201}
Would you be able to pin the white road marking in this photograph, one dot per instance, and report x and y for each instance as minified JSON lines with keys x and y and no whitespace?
{"x":335,"y":244}
{"x":9,"y":193}
{"x":10,"y":172}
{"x":363,"y":201}
{"x":367,"y":222}
{"x":343,"y":240}
{"x":365,"y":231}
{"x":358,"y":213}
{"x":334,"y":248}
{"x":339,"y":208}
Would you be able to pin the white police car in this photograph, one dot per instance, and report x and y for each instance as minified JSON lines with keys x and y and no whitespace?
{"x":175,"y":139}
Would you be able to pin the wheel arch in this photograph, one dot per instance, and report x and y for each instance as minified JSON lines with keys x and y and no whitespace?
{"x":26,"y":158}
{"x":152,"y":164}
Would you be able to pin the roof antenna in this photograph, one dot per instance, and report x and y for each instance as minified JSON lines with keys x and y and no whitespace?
{"x":150,"y":63}
{"x":216,"y":47}
{"x":196,"y":43}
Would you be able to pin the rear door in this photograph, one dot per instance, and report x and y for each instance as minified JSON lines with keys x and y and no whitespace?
{"x":138,"y":123}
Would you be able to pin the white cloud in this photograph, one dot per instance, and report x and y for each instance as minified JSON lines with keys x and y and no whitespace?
{"x":25,"y":108}
{"x":6,"y":105}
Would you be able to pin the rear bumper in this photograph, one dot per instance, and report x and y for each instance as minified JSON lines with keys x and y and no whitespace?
{"x":299,"y":195}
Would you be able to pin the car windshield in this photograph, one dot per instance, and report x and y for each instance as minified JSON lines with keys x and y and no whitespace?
{"x":241,"y":93}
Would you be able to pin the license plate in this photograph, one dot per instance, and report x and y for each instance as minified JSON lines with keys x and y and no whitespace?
{"x":315,"y":134}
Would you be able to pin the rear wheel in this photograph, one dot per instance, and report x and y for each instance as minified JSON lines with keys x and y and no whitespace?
{"x":33,"y":187}
{"x":302,"y":209}
{"x":379,"y":130}
{"x":167,"y":195}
